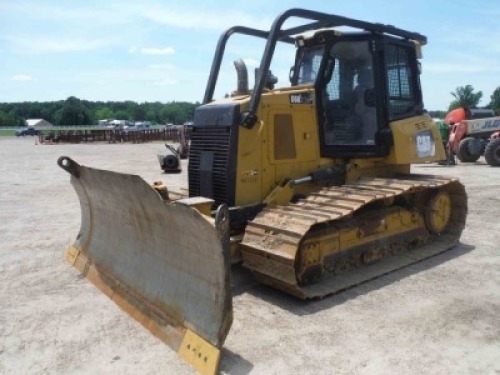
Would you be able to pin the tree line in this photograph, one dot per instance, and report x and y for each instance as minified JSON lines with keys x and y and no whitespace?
{"x":465,"y":96}
{"x":74,"y":111}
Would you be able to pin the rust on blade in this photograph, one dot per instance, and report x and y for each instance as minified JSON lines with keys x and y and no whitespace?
{"x":158,"y":323}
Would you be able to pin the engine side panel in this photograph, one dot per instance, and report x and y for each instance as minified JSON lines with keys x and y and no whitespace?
{"x":416,"y":140}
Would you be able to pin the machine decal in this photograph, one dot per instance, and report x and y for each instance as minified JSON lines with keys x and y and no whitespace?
{"x":302,"y":98}
{"x":484,"y":125}
{"x":425,"y":144}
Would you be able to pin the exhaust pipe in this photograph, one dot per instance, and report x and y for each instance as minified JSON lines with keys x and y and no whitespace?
{"x":242,"y":73}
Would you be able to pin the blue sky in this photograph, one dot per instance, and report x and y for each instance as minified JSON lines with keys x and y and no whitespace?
{"x":162,"y":50}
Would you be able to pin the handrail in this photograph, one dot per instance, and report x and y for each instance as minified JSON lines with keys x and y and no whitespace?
{"x":219,"y":54}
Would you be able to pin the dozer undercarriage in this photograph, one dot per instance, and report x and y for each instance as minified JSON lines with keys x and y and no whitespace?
{"x":338,"y":229}
{"x":308,"y":185}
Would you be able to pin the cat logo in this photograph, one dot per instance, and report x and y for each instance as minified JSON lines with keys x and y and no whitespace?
{"x":302,"y":98}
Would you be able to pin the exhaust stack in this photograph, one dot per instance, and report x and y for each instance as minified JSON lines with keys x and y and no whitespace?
{"x":242,"y":73}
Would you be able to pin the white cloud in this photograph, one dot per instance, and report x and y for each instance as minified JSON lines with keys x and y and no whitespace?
{"x":76,"y":14}
{"x":252,"y":63}
{"x":479,"y":38}
{"x":55,"y":45}
{"x":462,"y":63}
{"x":452,"y":68}
{"x":158,"y":51}
{"x":202,"y":19}
{"x":152,"y":50}
{"x":121,"y":13}
{"x":165,"y":82}
{"x":161,"y":66}
{"x":22,"y":77}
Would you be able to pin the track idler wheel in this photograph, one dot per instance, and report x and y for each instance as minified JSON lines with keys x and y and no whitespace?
{"x":438,"y":212}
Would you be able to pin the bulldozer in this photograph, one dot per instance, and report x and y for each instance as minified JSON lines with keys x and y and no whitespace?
{"x":308,"y":186}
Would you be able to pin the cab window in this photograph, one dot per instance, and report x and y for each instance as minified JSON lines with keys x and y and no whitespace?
{"x":400,"y":81}
{"x":349,"y":96}
{"x":309,"y":64}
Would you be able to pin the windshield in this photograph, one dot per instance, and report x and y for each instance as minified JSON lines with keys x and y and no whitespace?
{"x":309,"y":63}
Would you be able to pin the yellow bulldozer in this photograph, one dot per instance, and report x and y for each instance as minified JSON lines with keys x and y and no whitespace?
{"x":308,"y":186}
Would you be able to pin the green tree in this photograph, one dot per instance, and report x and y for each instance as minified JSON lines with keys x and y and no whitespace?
{"x":104,"y":113}
{"x":465,"y":97}
{"x":73,"y":112}
{"x":139,"y":113}
{"x":82,"y":112}
{"x":172,"y":114}
{"x":123,"y":114}
{"x":7,"y":119}
{"x":495,"y":100}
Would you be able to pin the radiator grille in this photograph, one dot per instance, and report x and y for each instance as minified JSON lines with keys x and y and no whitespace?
{"x":217,"y":140}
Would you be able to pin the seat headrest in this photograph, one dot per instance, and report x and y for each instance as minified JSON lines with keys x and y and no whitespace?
{"x":365,"y":77}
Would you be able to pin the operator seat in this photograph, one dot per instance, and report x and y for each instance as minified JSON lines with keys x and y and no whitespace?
{"x":364,"y":105}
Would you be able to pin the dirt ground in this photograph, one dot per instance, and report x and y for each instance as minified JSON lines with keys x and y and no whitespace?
{"x":440,"y":316}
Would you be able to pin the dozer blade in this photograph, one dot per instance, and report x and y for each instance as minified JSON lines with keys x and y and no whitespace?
{"x":165,"y":264}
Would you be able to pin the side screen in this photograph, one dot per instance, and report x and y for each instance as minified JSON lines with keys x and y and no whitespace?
{"x":401,"y":81}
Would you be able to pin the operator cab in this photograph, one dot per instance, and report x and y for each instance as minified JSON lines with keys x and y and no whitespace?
{"x":362,"y":82}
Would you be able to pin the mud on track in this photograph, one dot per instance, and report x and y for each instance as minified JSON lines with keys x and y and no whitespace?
{"x":439,"y":316}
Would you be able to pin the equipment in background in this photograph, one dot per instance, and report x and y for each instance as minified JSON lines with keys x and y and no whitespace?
{"x":474,"y":132}
{"x":307,"y":185}
{"x":171,"y":161}
{"x":444,"y":131}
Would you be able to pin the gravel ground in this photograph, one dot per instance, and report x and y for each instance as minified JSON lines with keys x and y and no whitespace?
{"x":439,"y":316}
